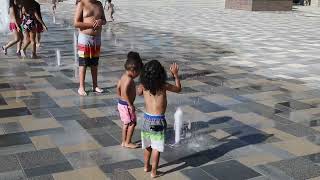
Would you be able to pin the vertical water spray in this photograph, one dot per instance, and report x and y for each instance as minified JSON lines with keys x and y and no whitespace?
{"x":58,"y":56}
{"x":54,"y":19}
{"x":178,"y":124}
{"x":75,"y":49}
{"x":4,"y":16}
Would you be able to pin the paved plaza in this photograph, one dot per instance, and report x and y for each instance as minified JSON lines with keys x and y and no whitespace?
{"x":250,"y":93}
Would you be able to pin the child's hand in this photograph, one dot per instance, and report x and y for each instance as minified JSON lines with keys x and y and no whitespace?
{"x":174,"y":68}
{"x":133,"y":109}
{"x":45,"y":28}
{"x":99,"y":22}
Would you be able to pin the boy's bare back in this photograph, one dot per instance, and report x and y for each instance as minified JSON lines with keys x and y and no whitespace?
{"x":157,"y":104}
{"x":127,"y":89}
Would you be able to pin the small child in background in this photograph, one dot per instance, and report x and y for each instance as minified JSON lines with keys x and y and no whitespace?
{"x":126,"y":90}
{"x":14,"y":26}
{"x":154,"y":89}
{"x":110,"y":10}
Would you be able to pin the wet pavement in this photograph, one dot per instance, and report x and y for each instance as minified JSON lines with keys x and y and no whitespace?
{"x":253,"y":125}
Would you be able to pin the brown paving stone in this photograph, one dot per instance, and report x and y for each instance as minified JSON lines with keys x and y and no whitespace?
{"x":90,"y":145}
{"x":90,"y":173}
{"x":39,"y":124}
{"x":42,"y":142}
{"x":298,"y":147}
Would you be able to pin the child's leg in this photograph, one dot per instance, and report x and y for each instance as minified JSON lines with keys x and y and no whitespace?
{"x":82,"y":77}
{"x":124,"y":134}
{"x":26,"y":43}
{"x":16,"y":39}
{"x":147,"y":155}
{"x":19,"y":44}
{"x":33,"y":43}
{"x":130,"y":131}
{"x":155,"y":162}
{"x":38,"y":38}
{"x":94,"y":74}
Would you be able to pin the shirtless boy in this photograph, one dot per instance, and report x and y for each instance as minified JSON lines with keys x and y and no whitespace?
{"x":154,"y":89}
{"x":89,"y":18}
{"x":126,"y":90}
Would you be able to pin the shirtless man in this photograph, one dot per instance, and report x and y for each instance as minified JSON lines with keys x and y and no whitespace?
{"x":89,"y":18}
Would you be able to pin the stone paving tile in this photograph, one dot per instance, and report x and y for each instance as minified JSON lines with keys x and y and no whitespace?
{"x":14,"y":139}
{"x":222,"y":170}
{"x":298,"y":168}
{"x":122,"y":166}
{"x":9,"y":163}
{"x":197,"y":173}
{"x":251,"y":109}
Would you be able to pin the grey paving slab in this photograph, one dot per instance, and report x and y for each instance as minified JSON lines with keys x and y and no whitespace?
{"x":298,"y":168}
{"x":222,"y":170}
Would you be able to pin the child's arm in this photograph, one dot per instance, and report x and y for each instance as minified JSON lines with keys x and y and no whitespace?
{"x":13,"y":14}
{"x":102,"y":21}
{"x":78,"y":19}
{"x":126,"y":85}
{"x":177,"y":87}
{"x":119,"y":89}
{"x":40,"y":20}
{"x":140,"y":90}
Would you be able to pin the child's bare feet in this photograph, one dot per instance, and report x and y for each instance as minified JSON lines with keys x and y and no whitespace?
{"x":82,"y":92}
{"x":23,"y":53}
{"x":131,"y":146}
{"x":122,"y":144}
{"x":98,"y":90}
{"x":156,"y":174}
{"x":147,"y":168}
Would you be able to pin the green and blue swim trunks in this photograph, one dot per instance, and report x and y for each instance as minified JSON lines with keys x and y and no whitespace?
{"x":153,"y":132}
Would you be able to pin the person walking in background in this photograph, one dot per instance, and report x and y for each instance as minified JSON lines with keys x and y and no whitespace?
{"x":39,"y":27}
{"x":110,"y":10}
{"x":14,"y":26}
{"x":30,"y":18}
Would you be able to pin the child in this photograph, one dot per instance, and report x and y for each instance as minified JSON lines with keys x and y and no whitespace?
{"x":30,"y":16}
{"x":39,"y":26}
{"x":110,"y":11}
{"x":14,"y":27}
{"x":126,"y":90}
{"x":89,"y":18}
{"x":154,"y":89}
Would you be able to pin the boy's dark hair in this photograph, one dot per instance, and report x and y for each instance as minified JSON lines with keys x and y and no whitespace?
{"x":134,"y":62}
{"x":109,"y":1}
{"x":153,"y":76}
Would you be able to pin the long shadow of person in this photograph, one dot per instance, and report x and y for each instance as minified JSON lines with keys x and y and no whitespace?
{"x":203,"y":157}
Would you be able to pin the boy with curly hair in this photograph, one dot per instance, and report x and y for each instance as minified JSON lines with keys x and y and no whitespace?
{"x":154,"y":88}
